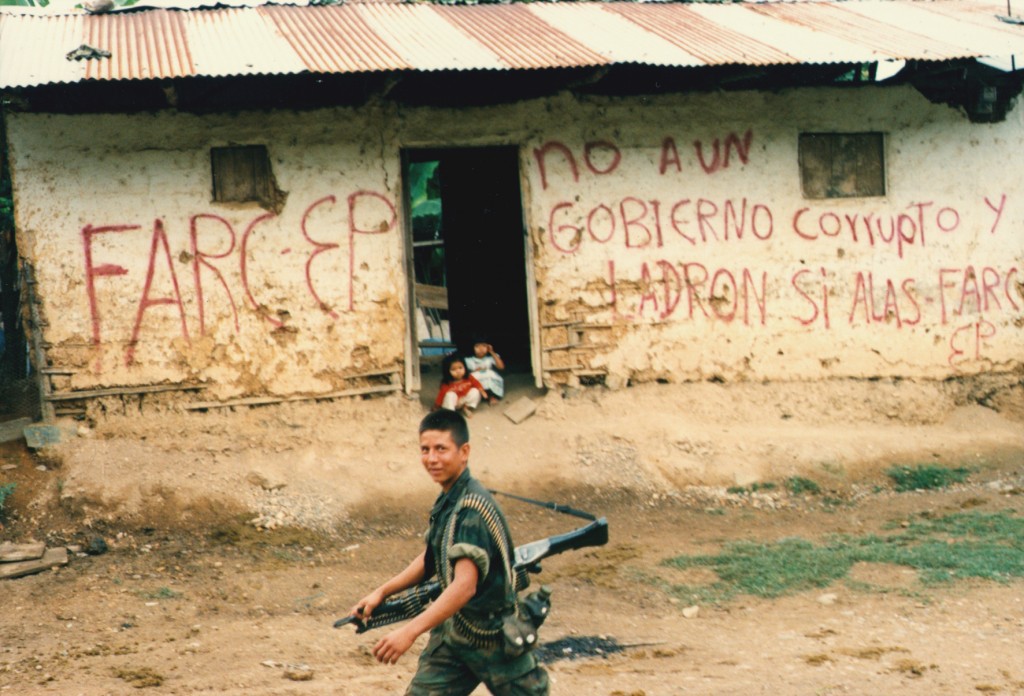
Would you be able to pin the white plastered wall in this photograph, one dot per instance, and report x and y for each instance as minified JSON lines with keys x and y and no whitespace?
{"x":725,"y":269}
{"x":291,"y":302}
{"x":948,"y":299}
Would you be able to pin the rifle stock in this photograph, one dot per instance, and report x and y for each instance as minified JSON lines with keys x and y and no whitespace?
{"x":408,"y":603}
{"x":593,"y":534}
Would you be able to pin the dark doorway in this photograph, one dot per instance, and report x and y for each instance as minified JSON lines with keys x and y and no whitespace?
{"x":18,"y":395}
{"x":18,"y":391}
{"x":468,"y":251}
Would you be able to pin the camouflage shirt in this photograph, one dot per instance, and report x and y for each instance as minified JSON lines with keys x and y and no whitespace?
{"x":465,"y":522}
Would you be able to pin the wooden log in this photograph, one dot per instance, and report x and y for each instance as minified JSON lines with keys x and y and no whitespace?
{"x":375,"y":373}
{"x":123,"y":391}
{"x":36,"y":340}
{"x":10,"y":552}
{"x":69,"y":412}
{"x":51,"y":559}
{"x":266,"y":400}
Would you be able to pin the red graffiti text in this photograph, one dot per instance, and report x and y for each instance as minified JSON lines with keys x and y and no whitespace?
{"x":718,"y":294}
{"x":636,"y":223}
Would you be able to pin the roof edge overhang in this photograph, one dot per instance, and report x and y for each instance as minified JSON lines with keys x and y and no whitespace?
{"x":226,"y":39}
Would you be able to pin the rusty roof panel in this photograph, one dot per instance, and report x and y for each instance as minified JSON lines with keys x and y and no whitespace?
{"x":611,"y":34}
{"x":948,"y":27}
{"x":426,"y":40}
{"x":519,"y":37}
{"x":833,"y":19}
{"x":804,"y":44}
{"x":713,"y":42}
{"x":384,"y":36}
{"x":333,"y":38}
{"x":144,"y":45}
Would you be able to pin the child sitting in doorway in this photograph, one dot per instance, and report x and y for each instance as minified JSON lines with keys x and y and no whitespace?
{"x":460,"y":391}
{"x":484,"y":364}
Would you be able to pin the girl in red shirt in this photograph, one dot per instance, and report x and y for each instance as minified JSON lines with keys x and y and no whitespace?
{"x":460,"y":391}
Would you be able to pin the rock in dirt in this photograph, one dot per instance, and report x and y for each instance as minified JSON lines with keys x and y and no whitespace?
{"x":261,"y":481}
{"x":298,"y":672}
{"x":96,"y":546}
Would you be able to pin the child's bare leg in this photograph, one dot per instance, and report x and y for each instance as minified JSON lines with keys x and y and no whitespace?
{"x":473,"y":398}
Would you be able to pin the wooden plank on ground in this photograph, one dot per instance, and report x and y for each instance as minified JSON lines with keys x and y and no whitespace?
{"x":14,"y":429}
{"x":10,"y":552}
{"x":51,"y":559}
{"x":521,"y":409}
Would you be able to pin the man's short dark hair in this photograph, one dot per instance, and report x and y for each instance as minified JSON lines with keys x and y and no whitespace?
{"x":447,"y":421}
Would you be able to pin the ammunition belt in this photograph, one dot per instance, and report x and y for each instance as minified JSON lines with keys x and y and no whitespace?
{"x":475,"y":634}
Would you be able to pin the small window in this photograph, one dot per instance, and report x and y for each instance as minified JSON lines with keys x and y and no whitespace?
{"x":242,"y":174}
{"x":842,"y":165}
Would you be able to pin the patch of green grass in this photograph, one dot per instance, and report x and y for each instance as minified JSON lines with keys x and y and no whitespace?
{"x":963,"y":545}
{"x":161,"y":593}
{"x":754,"y":488}
{"x":798,"y":485}
{"x":926,"y":476}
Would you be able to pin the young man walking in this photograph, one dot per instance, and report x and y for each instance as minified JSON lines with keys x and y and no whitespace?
{"x":470,"y":550}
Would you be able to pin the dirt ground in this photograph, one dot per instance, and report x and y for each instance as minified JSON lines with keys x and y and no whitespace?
{"x":236,"y":538}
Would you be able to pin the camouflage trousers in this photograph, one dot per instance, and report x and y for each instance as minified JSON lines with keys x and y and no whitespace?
{"x":445,"y":670}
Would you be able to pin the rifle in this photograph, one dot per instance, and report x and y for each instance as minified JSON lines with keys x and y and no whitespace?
{"x":408,"y":603}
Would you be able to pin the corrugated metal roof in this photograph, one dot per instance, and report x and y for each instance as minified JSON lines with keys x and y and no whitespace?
{"x":706,"y":36}
{"x":149,"y":45}
{"x":385,"y":36}
{"x":889,"y":40}
{"x":519,"y":37}
{"x":333,"y":39}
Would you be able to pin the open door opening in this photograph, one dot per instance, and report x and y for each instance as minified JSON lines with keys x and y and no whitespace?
{"x":468,"y":254}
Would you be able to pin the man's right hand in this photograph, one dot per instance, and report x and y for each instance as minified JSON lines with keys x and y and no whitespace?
{"x":363,"y":609}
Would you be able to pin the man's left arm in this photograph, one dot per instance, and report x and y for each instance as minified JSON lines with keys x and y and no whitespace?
{"x":462,"y":588}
